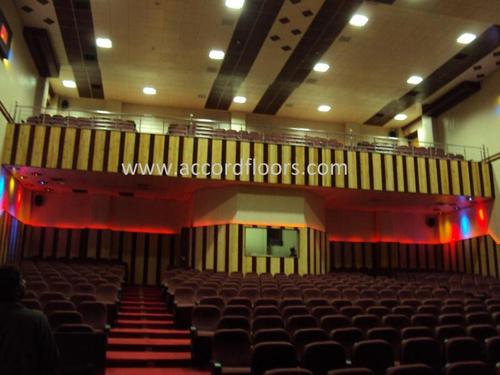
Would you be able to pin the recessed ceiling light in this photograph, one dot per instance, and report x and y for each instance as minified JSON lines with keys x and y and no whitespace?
{"x":216,"y":54}
{"x":239,"y":99}
{"x":103,"y":112}
{"x":466,"y":38}
{"x":104,"y":43}
{"x":321,"y":67}
{"x":414,"y":80}
{"x":149,"y":90}
{"x":358,"y":20}
{"x":235,"y":4}
{"x":69,"y":83}
{"x":400,"y":117}
{"x":324,"y":108}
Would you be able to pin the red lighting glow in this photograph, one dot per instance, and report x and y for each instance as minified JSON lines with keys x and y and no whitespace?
{"x":481,"y":215}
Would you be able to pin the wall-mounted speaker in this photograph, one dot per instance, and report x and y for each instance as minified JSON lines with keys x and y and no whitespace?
{"x":430,"y":222}
{"x":393,"y":133}
{"x":64,"y":104}
{"x":39,"y":200}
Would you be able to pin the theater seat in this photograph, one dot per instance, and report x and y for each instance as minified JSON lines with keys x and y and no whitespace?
{"x":460,"y":349}
{"x":204,"y":321}
{"x":421,"y":350}
{"x":468,"y":368}
{"x":272,"y":355}
{"x":58,"y":318}
{"x":94,"y":314}
{"x":373,"y":354}
{"x":269,"y":335}
{"x":81,"y":352}
{"x":352,"y":371}
{"x":418,"y":369}
{"x":232,"y":352}
{"x":289,"y":371}
{"x":321,"y":357}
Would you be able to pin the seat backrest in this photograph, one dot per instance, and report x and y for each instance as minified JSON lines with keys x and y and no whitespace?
{"x":467,"y":368}
{"x":237,"y":310}
{"x":269,"y":335}
{"x":81,"y":352}
{"x":416,"y":369}
{"x":459,"y":349}
{"x":234,"y":322}
{"x":45,"y":297}
{"x":324,"y":356}
{"x":352,"y":371}
{"x":31,"y":303}
{"x":56,"y":305}
{"x":107,"y":293}
{"x":331,"y":322}
{"x":421,"y":350}
{"x":296,"y":322}
{"x":294,"y":310}
{"x":288,"y":371}
{"x":304,"y":336}
{"x":267,"y":322}
{"x":232,"y":348}
{"x":58,"y":318}
{"x":94,"y":314}
{"x":376,"y":355}
{"x":272,"y":355}
{"x":214,"y":301}
{"x":417,"y":331}
{"x":205,"y":317}
{"x":85,"y":288}
{"x":445,"y":332}
{"x":266,"y":310}
{"x":493,"y":350}
{"x":481,"y":331}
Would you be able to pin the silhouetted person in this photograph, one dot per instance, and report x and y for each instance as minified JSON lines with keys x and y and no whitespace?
{"x":27,"y":346}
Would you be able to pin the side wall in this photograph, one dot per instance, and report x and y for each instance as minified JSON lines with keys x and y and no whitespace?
{"x":476,"y":121}
{"x":478,"y":255}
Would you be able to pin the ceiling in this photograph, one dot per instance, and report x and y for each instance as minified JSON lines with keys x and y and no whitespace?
{"x":155,"y":187}
{"x":165,"y":44}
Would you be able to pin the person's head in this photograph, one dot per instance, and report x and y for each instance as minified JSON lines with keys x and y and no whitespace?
{"x":11,"y":283}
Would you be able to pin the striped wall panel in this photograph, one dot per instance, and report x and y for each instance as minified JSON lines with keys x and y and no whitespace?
{"x":221,"y":248}
{"x":147,"y":255}
{"x":11,"y":233}
{"x":479,"y":255}
{"x":102,"y":150}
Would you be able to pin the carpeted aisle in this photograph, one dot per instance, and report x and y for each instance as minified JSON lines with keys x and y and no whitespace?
{"x":144,"y":340}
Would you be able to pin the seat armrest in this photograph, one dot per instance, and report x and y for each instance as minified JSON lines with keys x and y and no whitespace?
{"x":216,"y":368}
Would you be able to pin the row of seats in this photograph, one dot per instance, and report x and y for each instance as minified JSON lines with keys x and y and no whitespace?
{"x":71,"y":294}
{"x":83,"y":122}
{"x":328,"y":321}
{"x":234,"y":353}
{"x":306,"y":140}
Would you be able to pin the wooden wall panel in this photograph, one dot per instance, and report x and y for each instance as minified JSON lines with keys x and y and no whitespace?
{"x":478,"y":255}
{"x":102,"y":150}
{"x":222,"y":249}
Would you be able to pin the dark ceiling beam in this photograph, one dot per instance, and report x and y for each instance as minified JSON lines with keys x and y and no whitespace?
{"x":486,"y":43}
{"x":42,"y":51}
{"x":447,"y":101}
{"x":327,"y":25}
{"x":249,"y":35}
{"x":77,"y":30}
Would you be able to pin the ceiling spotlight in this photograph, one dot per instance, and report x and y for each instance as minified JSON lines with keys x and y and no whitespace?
{"x":239,"y":99}
{"x":414,"y":80}
{"x":69,"y":83}
{"x":324,"y":108}
{"x":43,"y":182}
{"x":216,"y":54}
{"x":321,"y":67}
{"x":235,"y":4}
{"x":149,"y":90}
{"x":400,"y":117}
{"x":358,"y":20}
{"x":470,"y":199}
{"x":466,"y":38}
{"x":104,"y":43}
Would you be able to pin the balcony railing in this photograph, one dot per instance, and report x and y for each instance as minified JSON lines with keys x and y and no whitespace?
{"x":209,"y":128}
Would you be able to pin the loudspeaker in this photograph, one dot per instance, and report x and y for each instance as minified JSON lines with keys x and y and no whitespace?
{"x":430,"y":222}
{"x":393,"y":133}
{"x":64,"y":104}
{"x":39,"y":200}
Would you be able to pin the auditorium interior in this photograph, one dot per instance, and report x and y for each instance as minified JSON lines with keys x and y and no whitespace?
{"x":255,"y":187}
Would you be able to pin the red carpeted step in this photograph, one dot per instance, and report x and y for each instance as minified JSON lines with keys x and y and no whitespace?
{"x":129,"y":323}
{"x":144,"y":316}
{"x":142,"y":298}
{"x":148,"y":332}
{"x":136,"y":309}
{"x":142,"y":358}
{"x":149,"y":344}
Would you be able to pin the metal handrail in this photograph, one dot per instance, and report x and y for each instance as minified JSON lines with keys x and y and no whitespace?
{"x":212,"y":128}
{"x":6,"y":113}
